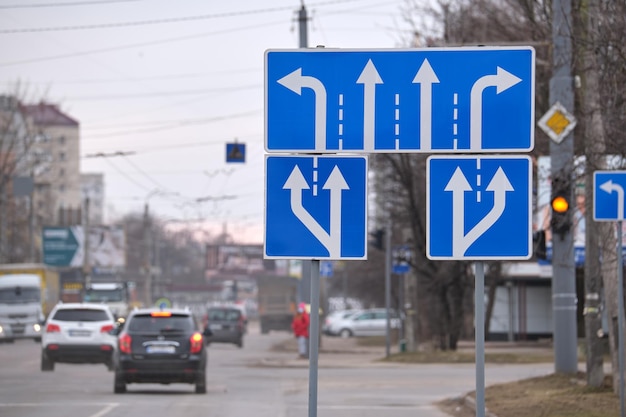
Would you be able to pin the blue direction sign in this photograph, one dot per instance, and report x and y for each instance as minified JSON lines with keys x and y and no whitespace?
{"x":479,"y":208}
{"x":315,"y":207}
{"x":608,"y":193}
{"x":400,"y":100}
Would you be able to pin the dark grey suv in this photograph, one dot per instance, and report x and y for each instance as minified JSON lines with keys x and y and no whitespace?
{"x":160,"y":346}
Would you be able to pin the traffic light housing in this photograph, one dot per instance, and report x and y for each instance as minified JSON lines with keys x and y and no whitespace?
{"x":539,"y":243}
{"x":377,"y":241}
{"x":561,"y":207}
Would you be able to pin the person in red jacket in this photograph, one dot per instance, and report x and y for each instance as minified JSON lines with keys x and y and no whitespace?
{"x":300,"y":327}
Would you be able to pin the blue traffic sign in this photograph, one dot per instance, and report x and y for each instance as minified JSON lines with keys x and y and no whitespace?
{"x":400,"y":258}
{"x":326,"y":269}
{"x":479,"y":207}
{"x":608,"y":195}
{"x":400,"y":100}
{"x":315,"y":207}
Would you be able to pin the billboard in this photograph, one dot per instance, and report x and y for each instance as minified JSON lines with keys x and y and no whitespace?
{"x":65,"y":246}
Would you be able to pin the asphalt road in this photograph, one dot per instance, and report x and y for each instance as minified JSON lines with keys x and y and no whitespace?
{"x":256,"y":380}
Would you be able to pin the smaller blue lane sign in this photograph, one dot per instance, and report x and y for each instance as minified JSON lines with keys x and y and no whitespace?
{"x":315,"y":207}
{"x":608,"y":193}
{"x":479,"y":208}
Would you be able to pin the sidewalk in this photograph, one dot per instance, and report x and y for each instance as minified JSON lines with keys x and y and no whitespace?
{"x":348,"y":352}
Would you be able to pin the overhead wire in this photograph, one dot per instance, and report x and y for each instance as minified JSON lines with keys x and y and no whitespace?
{"x":64,"y":4}
{"x":165,"y":20}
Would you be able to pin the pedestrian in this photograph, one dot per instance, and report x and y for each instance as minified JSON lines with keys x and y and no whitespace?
{"x":300,"y":327}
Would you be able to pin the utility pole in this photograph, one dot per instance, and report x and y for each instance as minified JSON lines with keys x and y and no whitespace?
{"x":86,"y":260}
{"x":147,"y":267}
{"x":562,"y":155}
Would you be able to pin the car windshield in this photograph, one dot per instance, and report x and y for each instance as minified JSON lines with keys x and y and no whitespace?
{"x":147,"y":323}
{"x":81,"y":314}
{"x":19,"y":295}
{"x":224,"y":314}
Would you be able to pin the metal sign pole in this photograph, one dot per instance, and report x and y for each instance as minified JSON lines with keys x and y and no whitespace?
{"x":479,"y":309}
{"x":620,"y":312}
{"x":314,"y":336}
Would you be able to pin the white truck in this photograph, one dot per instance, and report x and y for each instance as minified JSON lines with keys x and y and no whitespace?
{"x":113,"y":294}
{"x":21,"y":314}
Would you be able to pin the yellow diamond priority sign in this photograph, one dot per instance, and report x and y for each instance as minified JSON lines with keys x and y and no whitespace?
{"x":557,"y":122}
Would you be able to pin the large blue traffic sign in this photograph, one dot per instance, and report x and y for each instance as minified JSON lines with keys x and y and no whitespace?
{"x":400,"y":100}
{"x":608,"y":193}
{"x":315,"y":207}
{"x":479,"y":207}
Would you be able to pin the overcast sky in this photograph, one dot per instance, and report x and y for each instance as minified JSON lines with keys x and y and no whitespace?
{"x":169,"y":83}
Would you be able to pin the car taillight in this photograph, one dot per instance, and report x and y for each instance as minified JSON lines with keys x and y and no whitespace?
{"x":106,"y":328}
{"x":53,"y":328}
{"x":125,"y":343}
{"x":196,"y":343}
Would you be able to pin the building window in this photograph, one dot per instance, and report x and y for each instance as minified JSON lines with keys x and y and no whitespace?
{"x":62,"y":188}
{"x":61,"y":172}
{"x":61,"y":156}
{"x":62,"y":140}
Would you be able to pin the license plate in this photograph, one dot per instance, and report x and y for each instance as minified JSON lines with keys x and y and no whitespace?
{"x":215,"y":327}
{"x":79,"y":333}
{"x":160,"y":349}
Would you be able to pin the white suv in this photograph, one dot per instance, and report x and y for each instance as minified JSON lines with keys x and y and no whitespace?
{"x":78,"y":333}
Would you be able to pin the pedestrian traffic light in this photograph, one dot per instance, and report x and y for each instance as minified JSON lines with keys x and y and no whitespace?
{"x":561,"y":221}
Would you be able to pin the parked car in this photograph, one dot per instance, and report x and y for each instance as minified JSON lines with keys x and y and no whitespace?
{"x":78,"y":333}
{"x":370,"y":322}
{"x":335,"y":316}
{"x":226,"y":324}
{"x":160,"y":346}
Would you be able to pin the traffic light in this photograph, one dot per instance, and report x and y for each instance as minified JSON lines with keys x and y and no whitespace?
{"x":539,"y":243}
{"x":378,"y":239}
{"x":561,"y":221}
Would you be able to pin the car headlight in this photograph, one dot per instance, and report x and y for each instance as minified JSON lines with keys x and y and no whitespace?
{"x":37,"y":327}
{"x":1,"y":330}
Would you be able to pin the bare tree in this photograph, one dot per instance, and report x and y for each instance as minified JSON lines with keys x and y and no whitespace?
{"x":17,"y":140}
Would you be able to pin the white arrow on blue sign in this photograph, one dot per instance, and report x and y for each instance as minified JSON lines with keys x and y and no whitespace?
{"x":400,"y":100}
{"x":315,"y":207}
{"x":479,"y":207}
{"x":608,"y":192}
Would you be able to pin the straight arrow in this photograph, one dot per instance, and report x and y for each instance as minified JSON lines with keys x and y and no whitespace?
{"x":295,"y":81}
{"x":369,"y":78}
{"x":336,"y":183}
{"x":426,"y":77}
{"x":458,"y":184}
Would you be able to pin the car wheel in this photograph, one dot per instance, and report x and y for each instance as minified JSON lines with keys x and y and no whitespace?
{"x":239,"y":343}
{"x":201,"y":383}
{"x":110,"y":365}
{"x":119,"y":386}
{"x":46,"y":363}
{"x":37,"y":340}
{"x":345,"y":333}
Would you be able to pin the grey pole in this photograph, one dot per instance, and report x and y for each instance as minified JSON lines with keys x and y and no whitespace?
{"x":562,"y":155}
{"x":314,"y":336}
{"x":479,"y":324}
{"x":388,"y":288}
{"x":620,"y":312}
{"x":302,"y":25}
